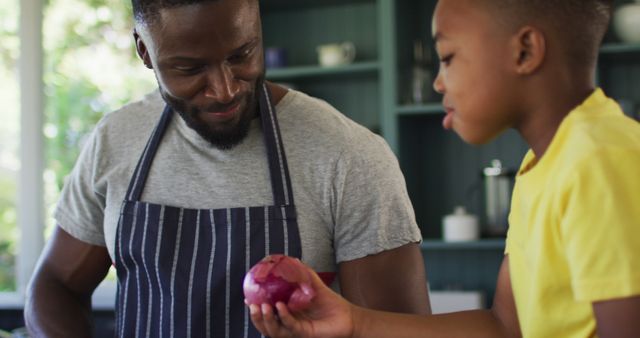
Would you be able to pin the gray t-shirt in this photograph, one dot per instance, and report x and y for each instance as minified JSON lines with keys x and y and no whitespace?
{"x":349,"y":192}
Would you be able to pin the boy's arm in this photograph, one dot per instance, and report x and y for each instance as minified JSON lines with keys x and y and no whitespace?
{"x":618,"y":318}
{"x":500,"y":321}
{"x":504,"y":305}
{"x":330,"y":316}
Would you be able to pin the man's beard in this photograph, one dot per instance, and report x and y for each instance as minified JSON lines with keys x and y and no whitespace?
{"x":223,"y":137}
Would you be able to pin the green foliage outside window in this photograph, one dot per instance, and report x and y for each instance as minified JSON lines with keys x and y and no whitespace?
{"x":9,"y":139}
{"x":90,"y":69}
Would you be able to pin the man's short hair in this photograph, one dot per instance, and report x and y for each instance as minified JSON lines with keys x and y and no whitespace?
{"x":146,"y":10}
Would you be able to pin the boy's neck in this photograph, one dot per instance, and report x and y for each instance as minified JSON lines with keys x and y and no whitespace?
{"x":549,"y":106}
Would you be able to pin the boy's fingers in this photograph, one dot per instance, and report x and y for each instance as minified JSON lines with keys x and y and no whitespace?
{"x":285,"y":316}
{"x":282,"y":310}
{"x":316,"y":280}
{"x":256,"y":317}
{"x":318,"y":284}
{"x":270,"y":320}
{"x":255,"y":312}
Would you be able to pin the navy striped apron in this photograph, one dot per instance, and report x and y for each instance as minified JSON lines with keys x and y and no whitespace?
{"x":180,"y":270}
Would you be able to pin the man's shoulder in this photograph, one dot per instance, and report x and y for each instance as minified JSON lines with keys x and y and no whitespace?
{"x":314,"y":121}
{"x":135,"y":116}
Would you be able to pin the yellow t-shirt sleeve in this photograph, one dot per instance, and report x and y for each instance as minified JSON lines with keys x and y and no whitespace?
{"x":600,"y":226}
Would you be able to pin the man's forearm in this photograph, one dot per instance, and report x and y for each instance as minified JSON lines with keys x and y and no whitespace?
{"x":51,"y":310}
{"x":366,"y":281}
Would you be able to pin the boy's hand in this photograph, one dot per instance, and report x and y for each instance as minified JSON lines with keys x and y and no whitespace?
{"x":328,"y":316}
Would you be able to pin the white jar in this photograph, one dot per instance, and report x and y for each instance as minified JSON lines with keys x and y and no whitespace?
{"x":626,"y":22}
{"x":460,"y":226}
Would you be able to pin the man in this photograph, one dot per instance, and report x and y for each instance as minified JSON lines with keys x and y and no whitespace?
{"x":183,"y":207}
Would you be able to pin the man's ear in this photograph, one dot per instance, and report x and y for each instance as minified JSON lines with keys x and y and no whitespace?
{"x":142,"y":50}
{"x":529,"y":50}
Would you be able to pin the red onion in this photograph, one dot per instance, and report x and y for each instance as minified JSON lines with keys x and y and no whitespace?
{"x":279,"y":278}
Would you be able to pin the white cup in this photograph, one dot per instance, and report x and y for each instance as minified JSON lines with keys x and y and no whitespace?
{"x":336,"y":54}
{"x":460,"y":226}
{"x":626,"y":22}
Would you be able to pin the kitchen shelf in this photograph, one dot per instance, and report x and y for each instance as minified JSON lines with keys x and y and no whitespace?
{"x":298,"y":72}
{"x":619,"y":48}
{"x":483,"y":244}
{"x":422,"y":109}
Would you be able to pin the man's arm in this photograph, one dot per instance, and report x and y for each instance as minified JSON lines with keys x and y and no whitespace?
{"x":392,"y":280}
{"x":618,"y":318}
{"x":58,"y":300}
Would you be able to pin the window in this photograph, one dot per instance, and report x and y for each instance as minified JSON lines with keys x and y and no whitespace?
{"x":89,"y":67}
{"x":9,"y":136}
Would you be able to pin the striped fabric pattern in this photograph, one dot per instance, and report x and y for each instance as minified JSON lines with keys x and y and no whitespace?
{"x":180,"y":270}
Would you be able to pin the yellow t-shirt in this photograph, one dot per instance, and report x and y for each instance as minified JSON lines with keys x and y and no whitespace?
{"x":574,"y":235}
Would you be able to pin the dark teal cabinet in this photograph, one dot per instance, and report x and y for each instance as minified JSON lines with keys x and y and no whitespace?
{"x":441,"y":171}
{"x":469,"y":266}
{"x":299,"y":27}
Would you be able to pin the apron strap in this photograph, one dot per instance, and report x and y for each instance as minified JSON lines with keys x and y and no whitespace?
{"x":278,"y":168}
{"x":137,"y":182}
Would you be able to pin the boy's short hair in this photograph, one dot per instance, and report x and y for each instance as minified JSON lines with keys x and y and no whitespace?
{"x":580,"y":24}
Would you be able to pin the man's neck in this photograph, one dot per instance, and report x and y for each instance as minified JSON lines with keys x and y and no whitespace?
{"x":277,"y":92}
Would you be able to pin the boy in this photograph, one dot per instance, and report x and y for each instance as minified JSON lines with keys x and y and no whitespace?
{"x":572,"y":261}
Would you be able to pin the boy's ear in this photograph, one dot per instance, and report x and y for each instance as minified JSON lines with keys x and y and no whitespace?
{"x":141,"y":49}
{"x":529,"y":50}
